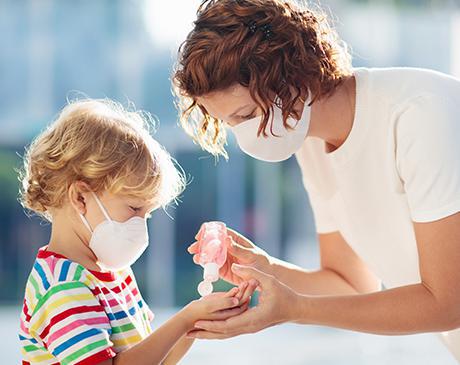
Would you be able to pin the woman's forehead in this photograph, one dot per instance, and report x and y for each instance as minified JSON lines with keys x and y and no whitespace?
{"x":223,"y":103}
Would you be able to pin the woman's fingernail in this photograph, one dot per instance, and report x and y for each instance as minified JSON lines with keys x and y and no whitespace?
{"x":235,"y":301}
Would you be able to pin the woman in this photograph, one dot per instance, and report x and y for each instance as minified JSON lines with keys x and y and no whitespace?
{"x":379,"y":154}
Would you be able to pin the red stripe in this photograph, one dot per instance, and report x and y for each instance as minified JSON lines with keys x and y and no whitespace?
{"x":97,"y":290}
{"x":98,"y":357}
{"x":25,"y":310}
{"x":63,"y":315}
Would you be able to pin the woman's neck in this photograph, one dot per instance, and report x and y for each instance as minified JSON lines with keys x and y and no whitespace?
{"x":332,"y":117}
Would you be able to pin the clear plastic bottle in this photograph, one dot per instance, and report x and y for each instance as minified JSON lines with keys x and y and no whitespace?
{"x":212,"y":249}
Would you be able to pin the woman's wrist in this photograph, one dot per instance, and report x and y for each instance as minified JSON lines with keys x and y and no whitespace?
{"x":300,"y":311}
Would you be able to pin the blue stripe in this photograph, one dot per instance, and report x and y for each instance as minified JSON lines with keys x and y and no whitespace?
{"x":64,"y":270}
{"x":121,"y":314}
{"x":72,"y":341}
{"x":22,"y":338}
{"x":42,"y":274}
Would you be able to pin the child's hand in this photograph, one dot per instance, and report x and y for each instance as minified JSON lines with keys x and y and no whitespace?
{"x":220,"y":305}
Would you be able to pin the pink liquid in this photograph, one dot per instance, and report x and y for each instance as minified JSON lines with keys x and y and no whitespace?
{"x":212,"y":245}
{"x":212,"y":249}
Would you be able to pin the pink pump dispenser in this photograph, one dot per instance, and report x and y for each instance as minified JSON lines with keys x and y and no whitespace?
{"x":212,"y":248}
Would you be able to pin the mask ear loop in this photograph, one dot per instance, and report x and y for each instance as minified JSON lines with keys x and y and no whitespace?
{"x":102,"y":207}
{"x":85,"y":221}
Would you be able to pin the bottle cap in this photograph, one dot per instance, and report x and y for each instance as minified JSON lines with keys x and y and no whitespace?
{"x":211,"y":272}
{"x":205,"y":288}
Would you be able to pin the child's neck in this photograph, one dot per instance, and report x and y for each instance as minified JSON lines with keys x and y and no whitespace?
{"x":66,"y":241}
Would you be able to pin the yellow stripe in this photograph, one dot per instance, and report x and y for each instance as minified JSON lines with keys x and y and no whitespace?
{"x":39,"y":358}
{"x":127,"y":340}
{"x":49,"y":308}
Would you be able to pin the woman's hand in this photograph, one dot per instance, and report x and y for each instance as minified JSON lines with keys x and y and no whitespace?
{"x":220,"y":305}
{"x":240,"y":251}
{"x":277,"y":304}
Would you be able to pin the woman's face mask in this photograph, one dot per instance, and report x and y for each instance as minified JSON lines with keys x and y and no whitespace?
{"x":117,"y":245}
{"x":276,"y":146}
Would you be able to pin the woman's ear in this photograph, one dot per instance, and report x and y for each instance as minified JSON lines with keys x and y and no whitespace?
{"x":78,"y":194}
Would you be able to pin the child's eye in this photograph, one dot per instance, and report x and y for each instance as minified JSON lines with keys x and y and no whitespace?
{"x":135,"y":209}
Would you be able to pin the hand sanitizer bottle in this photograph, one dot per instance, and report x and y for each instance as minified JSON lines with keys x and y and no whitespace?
{"x":212,"y":248}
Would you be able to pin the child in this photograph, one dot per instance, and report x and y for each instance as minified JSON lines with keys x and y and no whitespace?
{"x":96,"y":174}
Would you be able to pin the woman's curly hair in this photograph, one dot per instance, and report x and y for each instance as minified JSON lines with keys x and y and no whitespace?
{"x":302,"y":56}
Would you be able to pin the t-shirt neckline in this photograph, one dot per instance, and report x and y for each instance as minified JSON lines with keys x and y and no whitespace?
{"x":43,"y":253}
{"x":349,"y":147}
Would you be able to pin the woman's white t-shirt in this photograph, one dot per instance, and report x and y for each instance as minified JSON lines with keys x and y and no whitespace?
{"x":400,"y":164}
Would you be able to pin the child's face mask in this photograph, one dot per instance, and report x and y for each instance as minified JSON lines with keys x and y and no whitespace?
{"x":117,"y":245}
{"x":279,"y":146}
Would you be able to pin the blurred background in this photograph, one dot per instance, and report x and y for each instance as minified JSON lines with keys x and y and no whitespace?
{"x":125,"y":50}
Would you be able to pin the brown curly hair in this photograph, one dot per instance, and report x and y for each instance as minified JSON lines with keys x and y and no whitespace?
{"x":104,"y":145}
{"x":302,"y":57}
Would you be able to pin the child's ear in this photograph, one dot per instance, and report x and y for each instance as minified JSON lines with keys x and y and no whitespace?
{"x":78,"y":194}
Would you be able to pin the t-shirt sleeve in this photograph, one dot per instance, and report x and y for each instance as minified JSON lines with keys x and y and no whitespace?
{"x":71,"y":323}
{"x":324,"y":220}
{"x":428,"y":156}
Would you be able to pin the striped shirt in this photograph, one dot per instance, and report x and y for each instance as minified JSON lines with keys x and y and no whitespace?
{"x":73,"y":315}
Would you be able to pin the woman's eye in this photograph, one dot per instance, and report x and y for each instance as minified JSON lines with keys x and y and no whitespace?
{"x":135,"y":209}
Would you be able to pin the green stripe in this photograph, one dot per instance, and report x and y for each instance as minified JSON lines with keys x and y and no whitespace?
{"x":83,"y":351}
{"x":35,"y":285}
{"x":31,"y":348}
{"x":56,"y":289}
{"x":124,"y":328}
{"x":78,"y":271}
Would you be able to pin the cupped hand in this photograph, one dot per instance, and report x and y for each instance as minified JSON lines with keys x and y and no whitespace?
{"x":277,"y":304}
{"x":240,"y":251}
{"x":220,"y":305}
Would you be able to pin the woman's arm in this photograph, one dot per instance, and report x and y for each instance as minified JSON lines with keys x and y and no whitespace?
{"x":431,"y":305}
{"x":342,"y":272}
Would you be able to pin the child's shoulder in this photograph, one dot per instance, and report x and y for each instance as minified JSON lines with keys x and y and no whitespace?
{"x":52,"y":271}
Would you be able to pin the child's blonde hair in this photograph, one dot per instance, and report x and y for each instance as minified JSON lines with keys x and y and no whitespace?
{"x":104,"y":145}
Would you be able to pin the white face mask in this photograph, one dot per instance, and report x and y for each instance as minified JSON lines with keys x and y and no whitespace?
{"x":280,"y":145}
{"x":117,"y":245}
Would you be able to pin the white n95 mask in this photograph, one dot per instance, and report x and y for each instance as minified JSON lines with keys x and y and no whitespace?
{"x":117,"y":245}
{"x":280,"y":145}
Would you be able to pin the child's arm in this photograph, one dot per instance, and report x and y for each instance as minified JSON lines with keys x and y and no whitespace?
{"x":178,"y":351}
{"x":155,"y":348}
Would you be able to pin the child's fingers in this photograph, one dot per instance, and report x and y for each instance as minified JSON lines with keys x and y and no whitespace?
{"x":241,"y":289}
{"x":251,"y":287}
{"x":196,"y":259}
{"x":220,"y":303}
{"x":227,"y":313}
{"x":232,"y":292}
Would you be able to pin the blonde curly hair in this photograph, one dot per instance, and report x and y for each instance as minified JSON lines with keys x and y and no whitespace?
{"x":104,"y":145}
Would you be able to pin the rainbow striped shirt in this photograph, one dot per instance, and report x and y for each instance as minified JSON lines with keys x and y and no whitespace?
{"x":72,"y":315}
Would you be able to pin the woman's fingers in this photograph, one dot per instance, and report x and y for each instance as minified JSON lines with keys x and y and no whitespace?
{"x":242,"y":253}
{"x":193,"y":248}
{"x":196,"y":259}
{"x":240,"y":239}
